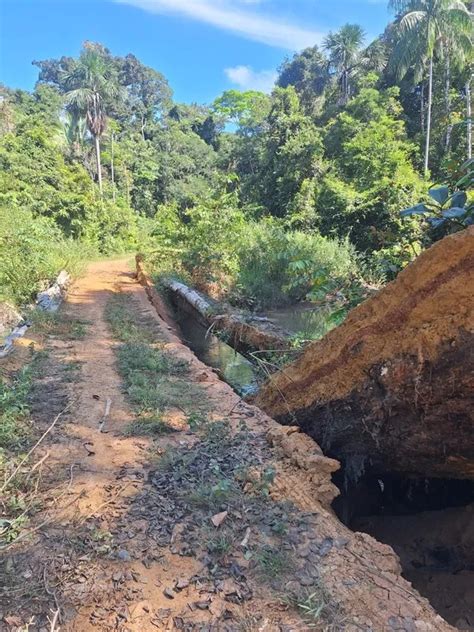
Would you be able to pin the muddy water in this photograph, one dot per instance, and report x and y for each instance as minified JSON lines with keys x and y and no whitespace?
{"x":302,"y":319}
{"x":233,"y":367}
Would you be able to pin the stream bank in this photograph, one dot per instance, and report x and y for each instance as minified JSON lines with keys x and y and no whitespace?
{"x":364,"y":507}
{"x":389,"y":394}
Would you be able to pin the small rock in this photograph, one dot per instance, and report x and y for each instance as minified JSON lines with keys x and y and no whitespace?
{"x":169,"y":593}
{"x":124,"y":556}
{"x":306,"y":581}
{"x":202,"y":605}
{"x":326,"y":546}
{"x":219,"y":518}
{"x":181,"y":583}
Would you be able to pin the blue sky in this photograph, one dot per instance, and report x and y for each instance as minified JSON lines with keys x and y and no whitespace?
{"x":202,"y":46}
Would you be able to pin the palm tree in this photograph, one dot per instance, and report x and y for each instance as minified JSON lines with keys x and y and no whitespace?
{"x":424,"y":29}
{"x":90,"y":86}
{"x":344,"y":50}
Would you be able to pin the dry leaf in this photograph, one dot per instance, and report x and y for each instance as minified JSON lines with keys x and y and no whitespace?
{"x":219,"y":518}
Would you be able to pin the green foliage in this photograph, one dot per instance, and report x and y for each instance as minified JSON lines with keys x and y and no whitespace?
{"x":32,"y":252}
{"x":14,"y":410}
{"x":278,"y":266}
{"x":371,"y":177}
{"x":99,"y":155}
{"x":448,"y":208}
{"x":202,"y":242}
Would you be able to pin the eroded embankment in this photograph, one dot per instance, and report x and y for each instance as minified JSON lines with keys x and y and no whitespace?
{"x":393,"y":385}
{"x":340,"y":567}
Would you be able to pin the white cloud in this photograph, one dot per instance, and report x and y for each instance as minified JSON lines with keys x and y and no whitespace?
{"x":249,"y":79}
{"x":237,"y":16}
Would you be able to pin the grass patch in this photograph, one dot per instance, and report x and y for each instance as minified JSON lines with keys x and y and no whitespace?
{"x":272,"y":563}
{"x":16,"y":434}
{"x":148,"y":426}
{"x":58,"y":324}
{"x":123,"y":322}
{"x":319,"y":609}
{"x":213,"y":497}
{"x":14,"y":409}
{"x":154,"y":379}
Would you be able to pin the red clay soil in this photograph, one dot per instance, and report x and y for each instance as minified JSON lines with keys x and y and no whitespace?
{"x":394,"y":383}
{"x":94,"y":551}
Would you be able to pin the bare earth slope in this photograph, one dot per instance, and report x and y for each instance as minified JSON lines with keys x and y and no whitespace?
{"x":394,"y":383}
{"x":123,"y":540}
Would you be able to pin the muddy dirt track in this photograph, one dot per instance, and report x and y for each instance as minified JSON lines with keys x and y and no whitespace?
{"x":222,"y":525}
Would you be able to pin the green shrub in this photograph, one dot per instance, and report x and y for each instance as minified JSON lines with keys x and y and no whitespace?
{"x":32,"y":252}
{"x":278,"y":266}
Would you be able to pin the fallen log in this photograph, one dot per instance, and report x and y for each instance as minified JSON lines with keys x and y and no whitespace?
{"x":243,"y":331}
{"x":393,"y":385}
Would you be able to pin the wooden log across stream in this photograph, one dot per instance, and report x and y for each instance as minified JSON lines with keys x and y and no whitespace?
{"x":243,"y":331}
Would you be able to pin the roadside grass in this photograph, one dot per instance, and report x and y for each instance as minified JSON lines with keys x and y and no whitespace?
{"x":149,"y":426}
{"x":123,"y":322}
{"x":154,"y":380}
{"x":18,"y":497}
{"x":14,"y":409}
{"x":58,"y":324}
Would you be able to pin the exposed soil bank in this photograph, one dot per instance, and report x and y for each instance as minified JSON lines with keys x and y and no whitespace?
{"x":393,"y":386}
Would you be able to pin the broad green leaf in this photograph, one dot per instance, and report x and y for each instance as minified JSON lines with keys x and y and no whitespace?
{"x":440,"y":194}
{"x":455,"y":211}
{"x":418,"y":209}
{"x":436,"y":222}
{"x":459,"y":199}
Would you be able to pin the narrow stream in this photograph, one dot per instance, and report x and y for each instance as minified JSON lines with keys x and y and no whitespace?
{"x":303,"y":319}
{"x":234,"y":368}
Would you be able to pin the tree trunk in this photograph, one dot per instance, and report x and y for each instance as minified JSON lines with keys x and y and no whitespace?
{"x":243,"y":332}
{"x":469,"y":119}
{"x":428,"y":118}
{"x":99,"y":167}
{"x":112,"y":169}
{"x":447,"y":100}
{"x":422,"y":107}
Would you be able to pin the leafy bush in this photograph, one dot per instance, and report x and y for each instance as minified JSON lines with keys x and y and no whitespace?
{"x":32,"y":252}
{"x":449,"y":208}
{"x":278,"y":266}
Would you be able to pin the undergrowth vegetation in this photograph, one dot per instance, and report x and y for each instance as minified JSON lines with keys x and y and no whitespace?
{"x":16,"y":434}
{"x":154,"y":380}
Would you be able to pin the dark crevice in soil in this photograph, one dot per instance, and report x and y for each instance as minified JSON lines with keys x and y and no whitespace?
{"x":430,"y":525}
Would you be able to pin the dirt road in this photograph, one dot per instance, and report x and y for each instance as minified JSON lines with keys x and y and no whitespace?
{"x":167,"y":503}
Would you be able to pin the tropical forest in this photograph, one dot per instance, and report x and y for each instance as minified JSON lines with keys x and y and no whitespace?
{"x":236,"y":337}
